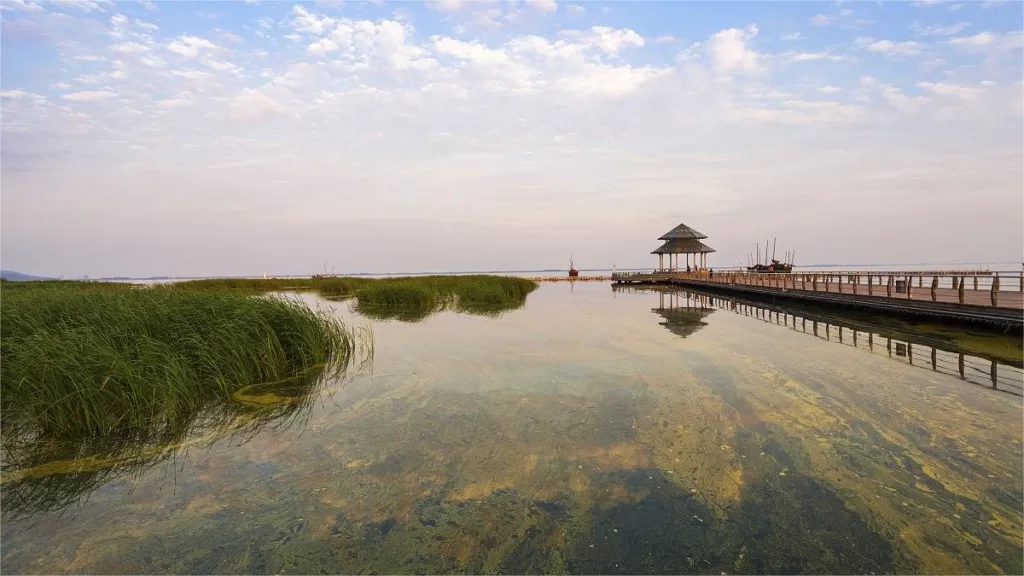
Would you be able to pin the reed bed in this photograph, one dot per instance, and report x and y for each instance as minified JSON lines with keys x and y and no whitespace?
{"x":93,"y":359}
{"x":414,"y":298}
{"x":469,"y":293}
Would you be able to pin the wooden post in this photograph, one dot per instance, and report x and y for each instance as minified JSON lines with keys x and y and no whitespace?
{"x":935,"y":287}
{"x":814,"y":282}
{"x":804,"y":322}
{"x":910,"y":285}
{"x":920,"y":281}
{"x":910,"y":353}
{"x":975,"y":282}
{"x":960,"y":297}
{"x":934,"y":365}
{"x":871,"y":341}
{"x":960,"y":360}
{"x":995,"y":290}
{"x":888,"y":346}
{"x":870,"y":279}
{"x":994,"y":375}
{"x":1022,"y":281}
{"x":854,"y":337}
{"x":888,"y":287}
{"x":840,"y":283}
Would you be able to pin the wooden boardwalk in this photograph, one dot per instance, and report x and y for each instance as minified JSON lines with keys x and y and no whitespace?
{"x":994,"y":297}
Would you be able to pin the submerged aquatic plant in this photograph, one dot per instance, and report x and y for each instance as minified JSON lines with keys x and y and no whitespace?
{"x":83,"y":360}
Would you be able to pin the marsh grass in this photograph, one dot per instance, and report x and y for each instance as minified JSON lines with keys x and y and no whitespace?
{"x":410,"y":298}
{"x":414,"y":298}
{"x":86,"y":360}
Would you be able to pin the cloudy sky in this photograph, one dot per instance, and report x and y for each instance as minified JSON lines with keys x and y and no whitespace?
{"x":188,"y":138}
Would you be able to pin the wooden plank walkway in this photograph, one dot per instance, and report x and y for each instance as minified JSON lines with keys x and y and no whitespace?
{"x":995,"y":297}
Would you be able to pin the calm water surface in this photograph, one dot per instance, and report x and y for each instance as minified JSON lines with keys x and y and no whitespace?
{"x":591,"y":431}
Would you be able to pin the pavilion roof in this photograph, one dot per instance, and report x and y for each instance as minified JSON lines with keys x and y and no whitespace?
{"x":684,"y":246}
{"x":682,"y":232}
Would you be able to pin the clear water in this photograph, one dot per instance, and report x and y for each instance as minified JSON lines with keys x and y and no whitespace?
{"x":591,"y":431}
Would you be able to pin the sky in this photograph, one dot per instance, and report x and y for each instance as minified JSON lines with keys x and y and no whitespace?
{"x":242,"y":138}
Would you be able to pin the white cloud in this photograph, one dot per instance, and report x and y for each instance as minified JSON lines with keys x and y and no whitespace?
{"x":190,"y":46}
{"x":812,"y":56}
{"x":575,"y":9}
{"x":220,"y":65}
{"x":169,"y":103}
{"x":979,"y":39}
{"x":89,"y":96}
{"x":729,"y":50}
{"x":938,"y":30}
{"x":192,"y":74}
{"x":447,"y":5}
{"x":131,"y":48}
{"x":253,"y":105}
{"x":542,"y":6}
{"x":88,"y":5}
{"x":321,"y":47}
{"x":608,"y":39}
{"x":888,"y":47}
{"x":13,"y":94}
{"x":308,"y":23}
{"x":22,"y":5}
{"x":822,"y":20}
{"x":793,"y":36}
{"x":828,"y":89}
{"x":950,"y":90}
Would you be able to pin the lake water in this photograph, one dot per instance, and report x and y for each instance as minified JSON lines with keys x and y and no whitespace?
{"x":591,"y":431}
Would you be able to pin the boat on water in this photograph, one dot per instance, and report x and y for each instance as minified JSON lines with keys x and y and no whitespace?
{"x":573,"y":272}
{"x":774,"y":266}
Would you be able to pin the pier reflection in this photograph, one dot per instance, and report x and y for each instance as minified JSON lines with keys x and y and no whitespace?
{"x":993,"y":361}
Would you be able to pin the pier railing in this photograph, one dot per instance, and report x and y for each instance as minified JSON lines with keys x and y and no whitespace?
{"x":921,"y":351}
{"x":997,"y":288}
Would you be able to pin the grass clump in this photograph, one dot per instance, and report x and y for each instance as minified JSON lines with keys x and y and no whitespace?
{"x":414,"y":298}
{"x":408,"y":298}
{"x":95,"y":359}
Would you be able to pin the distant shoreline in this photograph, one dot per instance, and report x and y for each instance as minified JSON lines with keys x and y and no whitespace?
{"x":12,"y":275}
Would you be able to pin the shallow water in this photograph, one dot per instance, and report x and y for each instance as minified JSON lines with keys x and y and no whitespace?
{"x":591,"y":431}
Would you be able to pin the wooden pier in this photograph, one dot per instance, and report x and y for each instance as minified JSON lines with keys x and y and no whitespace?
{"x":988,"y":297}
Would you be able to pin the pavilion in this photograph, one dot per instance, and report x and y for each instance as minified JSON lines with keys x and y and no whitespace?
{"x":682,"y":240}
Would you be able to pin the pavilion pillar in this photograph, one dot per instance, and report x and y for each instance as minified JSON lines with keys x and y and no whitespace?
{"x":661,"y":262}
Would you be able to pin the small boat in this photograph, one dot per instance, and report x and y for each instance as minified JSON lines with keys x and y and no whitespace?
{"x":573,"y":272}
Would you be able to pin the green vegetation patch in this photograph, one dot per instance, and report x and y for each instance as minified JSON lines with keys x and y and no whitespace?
{"x":408,"y":298}
{"x":90,"y":359}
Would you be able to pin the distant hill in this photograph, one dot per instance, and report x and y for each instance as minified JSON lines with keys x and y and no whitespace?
{"x":15,"y":276}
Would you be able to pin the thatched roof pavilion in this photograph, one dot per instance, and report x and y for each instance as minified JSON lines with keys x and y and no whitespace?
{"x":682,"y":240}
